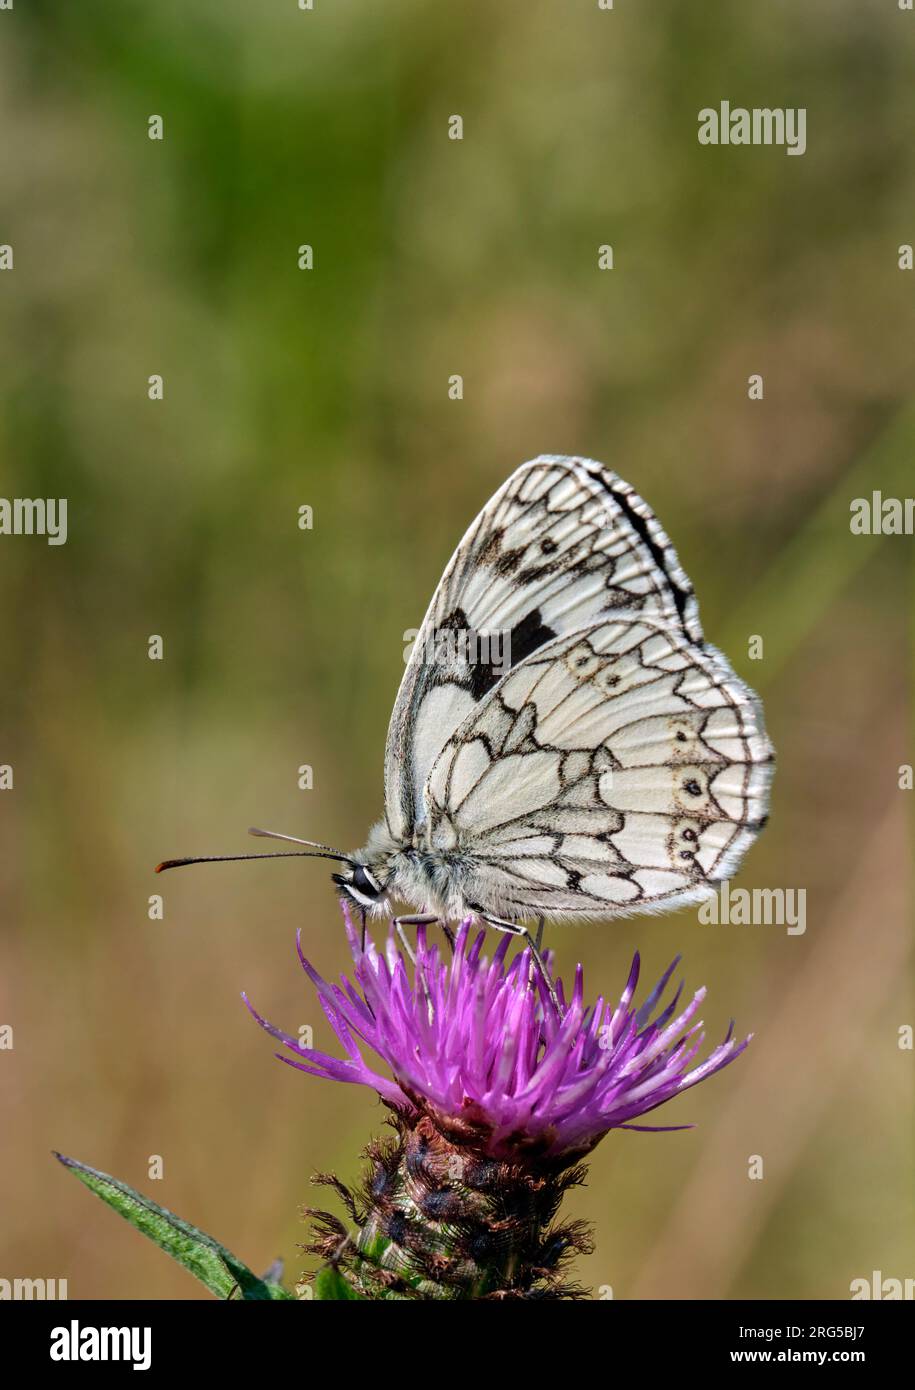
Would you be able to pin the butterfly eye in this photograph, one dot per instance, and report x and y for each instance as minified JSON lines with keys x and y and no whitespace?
{"x":361,"y":886}
{"x":364,"y":882}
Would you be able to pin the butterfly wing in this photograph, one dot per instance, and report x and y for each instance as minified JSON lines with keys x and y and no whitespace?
{"x":562,"y":543}
{"x":618,"y":769}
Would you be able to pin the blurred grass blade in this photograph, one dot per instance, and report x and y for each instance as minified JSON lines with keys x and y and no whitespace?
{"x":812,"y":570}
{"x":215,"y":1266}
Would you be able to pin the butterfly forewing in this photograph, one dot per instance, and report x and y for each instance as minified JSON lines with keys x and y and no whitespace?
{"x":561,"y":544}
{"x":618,"y":769}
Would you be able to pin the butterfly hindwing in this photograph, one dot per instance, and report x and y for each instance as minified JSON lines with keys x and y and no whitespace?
{"x":561,"y":544}
{"x":618,"y":769}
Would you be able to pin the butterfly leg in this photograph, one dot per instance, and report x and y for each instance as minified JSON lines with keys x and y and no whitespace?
{"x":422,"y":919}
{"x":515,"y":929}
{"x":539,"y":945}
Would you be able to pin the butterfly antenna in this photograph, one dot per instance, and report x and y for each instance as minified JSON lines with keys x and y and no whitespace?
{"x":227,"y":859}
{"x":323,"y":852}
{"x":294,"y":840}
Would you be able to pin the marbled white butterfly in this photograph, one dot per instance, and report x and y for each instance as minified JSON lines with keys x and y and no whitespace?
{"x":564,"y":742}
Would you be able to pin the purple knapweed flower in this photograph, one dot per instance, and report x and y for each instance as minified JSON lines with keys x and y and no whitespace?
{"x":476,"y":1045}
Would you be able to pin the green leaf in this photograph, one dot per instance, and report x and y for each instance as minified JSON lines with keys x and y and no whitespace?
{"x":330,"y":1286}
{"x":215,"y":1266}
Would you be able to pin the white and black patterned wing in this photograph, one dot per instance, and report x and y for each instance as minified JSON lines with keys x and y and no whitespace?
{"x":619,"y":769}
{"x":562,"y":543}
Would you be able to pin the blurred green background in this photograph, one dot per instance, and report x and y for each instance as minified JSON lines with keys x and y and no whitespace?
{"x":284,"y":647}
